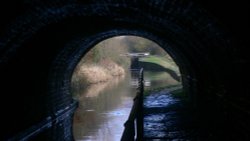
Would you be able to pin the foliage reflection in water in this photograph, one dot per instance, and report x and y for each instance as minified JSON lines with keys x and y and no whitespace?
{"x":103,"y":109}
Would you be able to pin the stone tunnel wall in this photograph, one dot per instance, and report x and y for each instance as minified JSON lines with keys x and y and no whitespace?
{"x":42,"y":41}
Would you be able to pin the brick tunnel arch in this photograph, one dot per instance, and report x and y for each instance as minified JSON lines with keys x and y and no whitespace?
{"x":40,"y":49}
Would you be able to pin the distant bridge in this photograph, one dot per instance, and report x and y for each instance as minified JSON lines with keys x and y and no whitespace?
{"x":135,"y":58}
{"x":136,"y":55}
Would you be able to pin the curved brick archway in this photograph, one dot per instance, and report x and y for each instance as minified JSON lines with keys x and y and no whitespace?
{"x":42,"y":42}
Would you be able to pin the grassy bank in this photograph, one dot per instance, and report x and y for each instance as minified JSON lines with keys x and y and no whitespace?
{"x":91,"y":73}
{"x":165,"y":62}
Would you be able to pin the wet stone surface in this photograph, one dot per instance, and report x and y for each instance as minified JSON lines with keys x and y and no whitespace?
{"x":167,"y":118}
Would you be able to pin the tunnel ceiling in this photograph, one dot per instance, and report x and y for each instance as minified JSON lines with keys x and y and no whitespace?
{"x":182,"y":24}
{"x":41,"y":42}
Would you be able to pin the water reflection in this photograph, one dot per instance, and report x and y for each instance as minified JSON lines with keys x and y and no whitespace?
{"x":103,"y":109}
{"x":158,"y":79}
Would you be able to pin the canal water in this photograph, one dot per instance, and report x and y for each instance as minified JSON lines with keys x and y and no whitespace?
{"x":105,"y":107}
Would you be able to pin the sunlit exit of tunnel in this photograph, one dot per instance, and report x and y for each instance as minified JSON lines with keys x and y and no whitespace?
{"x":106,"y":80}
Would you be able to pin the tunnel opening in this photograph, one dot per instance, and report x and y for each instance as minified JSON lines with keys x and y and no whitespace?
{"x":104,"y":83}
{"x":59,"y":66}
{"x":42,"y":43}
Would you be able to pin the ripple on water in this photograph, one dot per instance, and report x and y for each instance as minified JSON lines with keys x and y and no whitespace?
{"x":159,"y":100}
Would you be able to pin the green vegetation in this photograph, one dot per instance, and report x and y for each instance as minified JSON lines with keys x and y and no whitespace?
{"x":165,"y":61}
{"x":109,"y":50}
{"x":107,"y":55}
{"x":173,"y":87}
{"x":106,"y":60}
{"x":101,"y":64}
{"x":139,"y":44}
{"x":152,"y":76}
